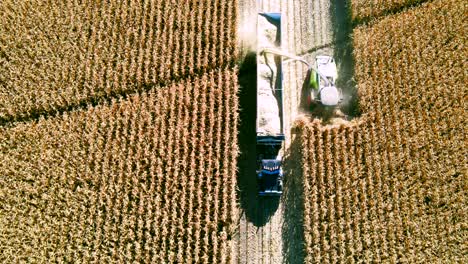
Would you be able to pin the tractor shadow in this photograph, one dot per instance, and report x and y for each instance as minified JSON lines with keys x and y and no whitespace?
{"x":293,"y":201}
{"x":258,"y":210}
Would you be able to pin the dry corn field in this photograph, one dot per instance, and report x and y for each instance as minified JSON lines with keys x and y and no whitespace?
{"x":120,"y":124}
{"x":362,"y":9}
{"x":59,"y":55}
{"x":150,"y":179}
{"x":392,"y":187}
{"x":118,"y":137}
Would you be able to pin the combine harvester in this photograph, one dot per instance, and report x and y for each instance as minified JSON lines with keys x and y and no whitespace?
{"x":270,"y":99}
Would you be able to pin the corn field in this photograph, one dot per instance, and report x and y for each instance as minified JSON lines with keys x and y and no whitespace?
{"x":119,"y":131}
{"x":391,"y":187}
{"x":147,"y":179}
{"x":59,"y":55}
{"x":119,"y":137}
{"x":362,"y":9}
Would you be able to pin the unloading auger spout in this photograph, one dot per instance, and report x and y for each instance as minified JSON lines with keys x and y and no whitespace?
{"x":295,"y":58}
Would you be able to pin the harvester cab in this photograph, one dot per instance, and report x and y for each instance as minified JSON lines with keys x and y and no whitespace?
{"x":322,"y":83}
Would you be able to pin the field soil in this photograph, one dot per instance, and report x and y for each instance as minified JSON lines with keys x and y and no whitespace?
{"x":270,"y":230}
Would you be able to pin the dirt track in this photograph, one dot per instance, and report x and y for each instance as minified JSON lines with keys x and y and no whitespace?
{"x":270,"y":231}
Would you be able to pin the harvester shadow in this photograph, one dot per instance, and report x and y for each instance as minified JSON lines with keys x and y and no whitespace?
{"x":257,"y":210}
{"x":342,"y":35}
{"x":293,"y":201}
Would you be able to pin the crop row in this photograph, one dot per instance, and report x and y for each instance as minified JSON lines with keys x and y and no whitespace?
{"x":60,"y":54}
{"x":147,"y":179}
{"x":392,"y":187}
{"x":362,"y":9}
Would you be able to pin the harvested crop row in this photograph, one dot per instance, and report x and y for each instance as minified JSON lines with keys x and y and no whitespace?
{"x":361,"y":9}
{"x":392,"y":188}
{"x":61,"y":54}
{"x":148,"y":179}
